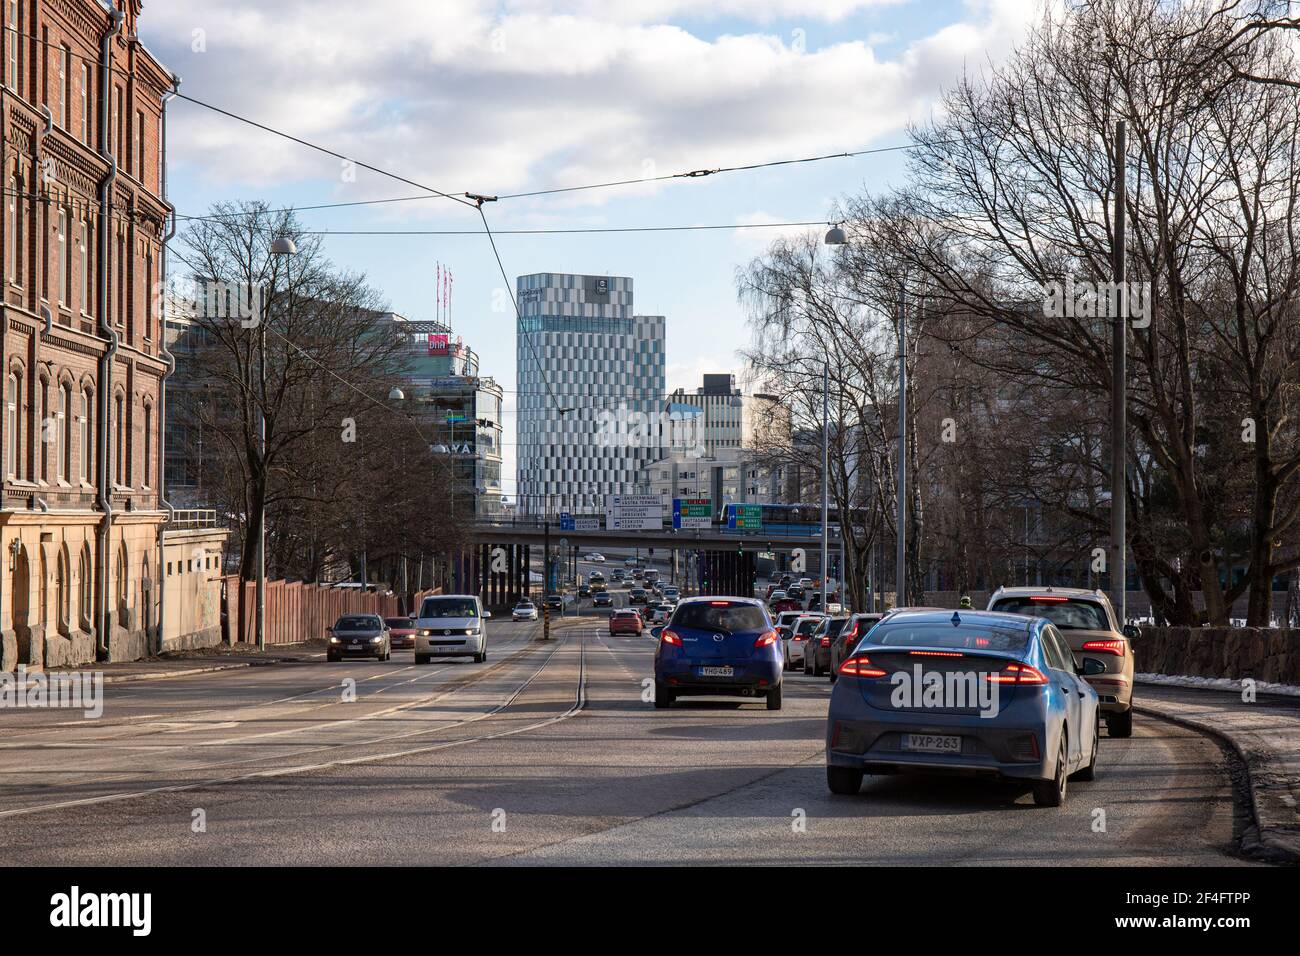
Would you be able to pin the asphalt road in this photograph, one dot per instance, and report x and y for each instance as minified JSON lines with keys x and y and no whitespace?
{"x":549,"y":753}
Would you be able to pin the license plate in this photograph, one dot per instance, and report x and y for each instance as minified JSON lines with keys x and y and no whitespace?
{"x":932,"y":743}
{"x":717,"y":672}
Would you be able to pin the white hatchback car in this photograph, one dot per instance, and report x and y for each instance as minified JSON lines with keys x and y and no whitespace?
{"x":524,"y":611}
{"x":451,"y":625}
{"x":796,"y":642}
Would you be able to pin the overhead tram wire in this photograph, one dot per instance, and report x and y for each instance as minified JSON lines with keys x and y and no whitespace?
{"x":560,"y":232}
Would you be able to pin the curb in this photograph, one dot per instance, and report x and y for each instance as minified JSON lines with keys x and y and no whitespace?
{"x":163,"y":675}
{"x":1259,"y":840}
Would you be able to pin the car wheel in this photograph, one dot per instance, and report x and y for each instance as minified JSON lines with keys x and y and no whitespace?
{"x":1090,"y":772}
{"x":1051,"y":793}
{"x":845,"y":781}
{"x":480,"y":658}
{"x":663,"y":696}
{"x":833,"y":675}
{"x":421,"y":659}
{"x":1120,"y":725}
{"x":774,"y":698}
{"x":807,"y":671}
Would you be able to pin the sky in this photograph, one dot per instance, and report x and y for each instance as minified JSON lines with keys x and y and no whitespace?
{"x":522,"y":95}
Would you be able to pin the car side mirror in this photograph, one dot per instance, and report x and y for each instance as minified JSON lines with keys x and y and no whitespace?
{"x":1092,"y":667}
{"x":487,"y":615}
{"x":1132,"y":631}
{"x":329,"y":630}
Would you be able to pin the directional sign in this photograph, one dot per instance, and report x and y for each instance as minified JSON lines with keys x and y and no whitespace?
{"x":586,"y":524}
{"x":634,"y":524}
{"x":692,"y":513}
{"x":566,"y":522}
{"x":745,"y":518}
{"x":634,"y":512}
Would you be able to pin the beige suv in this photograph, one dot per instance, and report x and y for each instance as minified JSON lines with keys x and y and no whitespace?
{"x":1087,"y":621}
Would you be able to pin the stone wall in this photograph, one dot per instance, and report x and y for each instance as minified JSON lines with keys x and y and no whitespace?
{"x":1266,"y":654}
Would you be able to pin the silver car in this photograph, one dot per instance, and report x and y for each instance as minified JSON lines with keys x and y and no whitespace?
{"x":451,"y":625}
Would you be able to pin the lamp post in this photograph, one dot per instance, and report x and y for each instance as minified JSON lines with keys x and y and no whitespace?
{"x":283,"y":246}
{"x":835,"y":236}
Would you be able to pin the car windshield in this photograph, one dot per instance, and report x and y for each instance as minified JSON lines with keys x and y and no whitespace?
{"x":397,"y":622}
{"x":1067,"y":614}
{"x":449,"y":607}
{"x":972,"y":636}
{"x":524,"y":606}
{"x":357,"y":622}
{"x":720,"y":616}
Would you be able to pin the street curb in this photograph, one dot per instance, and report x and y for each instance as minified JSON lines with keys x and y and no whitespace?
{"x":1266,"y":841}
{"x":163,"y":675}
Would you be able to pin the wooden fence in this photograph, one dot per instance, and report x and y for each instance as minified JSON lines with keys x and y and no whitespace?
{"x":296,"y":611}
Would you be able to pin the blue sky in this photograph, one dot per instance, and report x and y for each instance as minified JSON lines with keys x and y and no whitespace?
{"x":515,"y":96}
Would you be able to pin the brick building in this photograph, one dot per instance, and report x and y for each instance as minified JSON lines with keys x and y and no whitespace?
{"x":85,"y":219}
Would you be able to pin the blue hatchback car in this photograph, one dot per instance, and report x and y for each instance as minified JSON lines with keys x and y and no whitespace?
{"x":969,"y":691}
{"x":718,"y":646}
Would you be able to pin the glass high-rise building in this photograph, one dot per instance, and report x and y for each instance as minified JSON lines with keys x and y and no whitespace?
{"x":590,"y":381}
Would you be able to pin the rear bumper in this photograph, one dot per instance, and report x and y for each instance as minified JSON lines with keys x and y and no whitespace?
{"x":750,"y":678}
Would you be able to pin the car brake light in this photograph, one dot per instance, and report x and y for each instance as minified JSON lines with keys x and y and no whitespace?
{"x":1115,"y":647}
{"x":860,"y":667}
{"x":671,"y":637}
{"x":1049,"y":599}
{"x":935,"y":653}
{"x":766,"y":639}
{"x":1019,"y":674}
{"x":826,"y":642}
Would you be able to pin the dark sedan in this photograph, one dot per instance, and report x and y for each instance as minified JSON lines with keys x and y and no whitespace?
{"x":602,"y":599}
{"x":359,"y":635}
{"x":817,"y":655}
{"x":973,"y":691}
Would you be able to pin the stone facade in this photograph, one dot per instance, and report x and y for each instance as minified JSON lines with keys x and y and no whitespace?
{"x":80,"y":249}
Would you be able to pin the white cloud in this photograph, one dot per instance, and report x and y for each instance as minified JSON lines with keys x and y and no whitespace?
{"x":454,"y":96}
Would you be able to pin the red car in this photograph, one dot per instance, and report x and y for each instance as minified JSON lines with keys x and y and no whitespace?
{"x":625,"y":622}
{"x":785,"y":604}
{"x":403,"y":631}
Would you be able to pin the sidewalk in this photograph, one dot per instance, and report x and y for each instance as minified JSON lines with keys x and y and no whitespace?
{"x":198,"y":661}
{"x":1265,"y":735}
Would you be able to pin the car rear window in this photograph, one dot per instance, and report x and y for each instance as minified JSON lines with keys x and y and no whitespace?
{"x":808,"y":625}
{"x":1068,"y":614}
{"x":622,"y":613}
{"x":836,"y":626}
{"x":720,"y":616}
{"x":970,"y":637}
{"x":449,"y":607}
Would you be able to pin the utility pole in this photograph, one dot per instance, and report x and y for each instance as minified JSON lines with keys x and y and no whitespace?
{"x":900,"y":559}
{"x":546,"y":581}
{"x":1119,"y":394}
{"x":826,"y":464}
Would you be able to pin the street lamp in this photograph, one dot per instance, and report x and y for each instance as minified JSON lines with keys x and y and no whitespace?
{"x":282,"y":246}
{"x":835,"y":236}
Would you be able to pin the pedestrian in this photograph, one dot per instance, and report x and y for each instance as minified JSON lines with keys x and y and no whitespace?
{"x":965,"y":604}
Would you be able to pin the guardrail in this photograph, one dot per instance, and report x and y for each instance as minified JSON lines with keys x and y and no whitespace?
{"x":536,"y":523}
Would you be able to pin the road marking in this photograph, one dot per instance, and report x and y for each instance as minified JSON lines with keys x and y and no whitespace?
{"x":580,"y":702}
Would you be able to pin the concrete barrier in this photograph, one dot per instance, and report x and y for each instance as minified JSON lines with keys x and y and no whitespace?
{"x":1267,"y":654}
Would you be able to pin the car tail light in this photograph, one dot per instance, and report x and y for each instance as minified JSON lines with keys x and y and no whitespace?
{"x":671,"y":637}
{"x":1115,"y":647}
{"x":935,"y":654}
{"x":826,"y":642}
{"x":1048,"y":599}
{"x":860,"y":667}
{"x":1018,"y":674}
{"x":766,"y":639}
